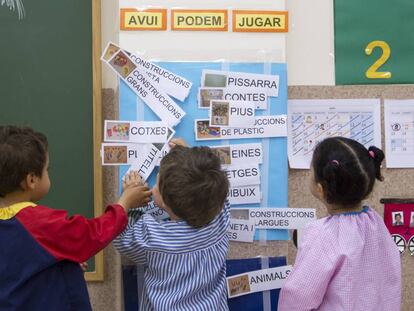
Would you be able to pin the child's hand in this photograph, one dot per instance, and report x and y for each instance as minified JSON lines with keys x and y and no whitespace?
{"x":131,"y":179}
{"x":177,"y":142}
{"x":135,"y":193}
{"x":84,"y":266}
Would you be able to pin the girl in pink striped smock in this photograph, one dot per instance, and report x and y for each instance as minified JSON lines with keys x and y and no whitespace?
{"x":346,"y":261}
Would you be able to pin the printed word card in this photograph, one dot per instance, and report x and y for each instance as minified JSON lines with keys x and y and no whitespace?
{"x":311,"y":121}
{"x":146,"y":163}
{"x":243,"y":175}
{"x":124,"y":154}
{"x":245,"y":195}
{"x":145,"y":88}
{"x":239,"y":153}
{"x":264,"y":127}
{"x":241,"y":230}
{"x":136,"y":132}
{"x":241,"y":81}
{"x":207,"y":94}
{"x":231,"y":113}
{"x":399,"y":133}
{"x":173,"y":84}
{"x":276,"y":218}
{"x":257,"y":281}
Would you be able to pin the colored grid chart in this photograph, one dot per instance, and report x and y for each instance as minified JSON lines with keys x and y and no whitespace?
{"x":312,"y":121}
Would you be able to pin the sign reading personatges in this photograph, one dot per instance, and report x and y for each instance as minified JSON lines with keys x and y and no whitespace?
{"x":243,"y":175}
{"x":277,"y":218}
{"x":257,"y":281}
{"x":241,"y":230}
{"x":143,"y":19}
{"x":136,"y":132}
{"x":260,"y":21}
{"x":171,"y":83}
{"x":196,"y":20}
{"x":145,"y":88}
{"x":232,"y":80}
{"x":264,"y":126}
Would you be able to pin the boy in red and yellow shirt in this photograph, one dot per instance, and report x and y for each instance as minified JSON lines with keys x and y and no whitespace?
{"x":41,"y":248}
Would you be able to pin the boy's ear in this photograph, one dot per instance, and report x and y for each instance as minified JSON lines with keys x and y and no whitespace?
{"x":29,"y":183}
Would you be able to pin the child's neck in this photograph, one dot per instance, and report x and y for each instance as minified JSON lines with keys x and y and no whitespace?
{"x":334,"y":209}
{"x":13,"y":198}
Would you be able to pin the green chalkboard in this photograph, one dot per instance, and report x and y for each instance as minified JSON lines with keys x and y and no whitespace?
{"x":46,"y":82}
{"x":389,"y":25}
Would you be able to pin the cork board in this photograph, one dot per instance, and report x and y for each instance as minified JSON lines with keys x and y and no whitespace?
{"x":399,"y":183}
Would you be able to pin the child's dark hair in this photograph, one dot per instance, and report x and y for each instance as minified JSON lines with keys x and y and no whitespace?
{"x":22,"y":151}
{"x":192,"y":184}
{"x":346,"y":169}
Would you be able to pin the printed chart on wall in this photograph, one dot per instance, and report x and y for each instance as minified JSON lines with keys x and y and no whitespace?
{"x":311,"y":121}
{"x":254,"y":156}
{"x":399,"y":133}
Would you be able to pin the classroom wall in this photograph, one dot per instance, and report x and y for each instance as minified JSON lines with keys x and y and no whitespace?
{"x":398,"y":183}
{"x":107,"y":296}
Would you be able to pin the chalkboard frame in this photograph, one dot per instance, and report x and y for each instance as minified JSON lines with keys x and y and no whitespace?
{"x":98,"y":273}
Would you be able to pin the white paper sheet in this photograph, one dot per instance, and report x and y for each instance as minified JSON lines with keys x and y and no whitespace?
{"x":231,"y":113}
{"x":146,"y":163}
{"x":399,"y":133}
{"x":146,"y":89}
{"x":277,"y":218}
{"x":311,"y":121}
{"x":170,"y":82}
{"x":124,"y":154}
{"x":241,"y":230}
{"x":206,"y":94}
{"x":265,"y":126}
{"x":135,"y":131}
{"x":257,"y":281}
{"x":243,"y":175}
{"x":239,"y":153}
{"x":245,"y":195}
{"x":237,"y":81}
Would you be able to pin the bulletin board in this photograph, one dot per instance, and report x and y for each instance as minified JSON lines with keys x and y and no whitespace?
{"x":51,"y":81}
{"x":274,"y":168}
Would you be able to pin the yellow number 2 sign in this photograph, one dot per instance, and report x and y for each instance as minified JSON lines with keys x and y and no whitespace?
{"x":372,"y":72}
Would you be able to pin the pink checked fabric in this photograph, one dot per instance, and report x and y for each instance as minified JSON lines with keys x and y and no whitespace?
{"x":346,"y":262}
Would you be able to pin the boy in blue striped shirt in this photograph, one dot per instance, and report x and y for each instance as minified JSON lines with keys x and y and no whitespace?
{"x":184,"y":257}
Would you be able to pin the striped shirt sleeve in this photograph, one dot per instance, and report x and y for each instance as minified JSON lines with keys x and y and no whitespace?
{"x":306,"y":286}
{"x":131,"y":243}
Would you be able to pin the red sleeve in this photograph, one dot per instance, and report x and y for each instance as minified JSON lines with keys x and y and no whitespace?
{"x":74,"y":238}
